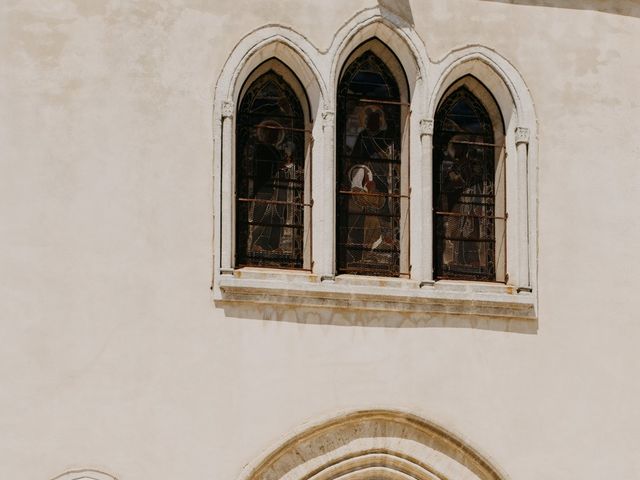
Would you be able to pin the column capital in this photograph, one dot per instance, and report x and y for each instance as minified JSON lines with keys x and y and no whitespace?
{"x":522,"y":135}
{"x":227,"y":109}
{"x":328,"y":117}
{"x":426,"y":126}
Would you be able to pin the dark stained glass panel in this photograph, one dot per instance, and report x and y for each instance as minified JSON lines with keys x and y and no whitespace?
{"x":368,"y":175}
{"x":464,"y":189}
{"x":270,"y":183}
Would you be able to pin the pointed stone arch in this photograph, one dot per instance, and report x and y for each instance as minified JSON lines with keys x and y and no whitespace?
{"x":495,"y":72}
{"x":402,"y":46}
{"x":392,"y":32}
{"x":373,"y":444}
{"x":280,"y":47}
{"x":279,"y":43}
{"x":514,"y":101}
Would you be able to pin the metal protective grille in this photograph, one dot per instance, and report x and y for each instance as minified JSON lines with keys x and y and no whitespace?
{"x":464,"y":190}
{"x":270,"y":181}
{"x":368,"y":161}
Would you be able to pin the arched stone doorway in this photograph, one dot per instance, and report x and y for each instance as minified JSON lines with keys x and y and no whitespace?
{"x":378,"y":444}
{"x":84,"y":475}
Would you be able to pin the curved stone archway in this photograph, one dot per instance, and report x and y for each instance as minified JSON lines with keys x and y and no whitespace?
{"x":381,"y":444}
{"x":84,"y":475}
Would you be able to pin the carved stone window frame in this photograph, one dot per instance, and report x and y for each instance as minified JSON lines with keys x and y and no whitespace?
{"x":484,"y":96}
{"x":268,"y":293}
{"x":279,"y":68}
{"x":386,"y":55}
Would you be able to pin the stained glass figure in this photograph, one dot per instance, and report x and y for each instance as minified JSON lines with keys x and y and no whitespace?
{"x":270,"y":175}
{"x":368,"y":161}
{"x":464,"y":189}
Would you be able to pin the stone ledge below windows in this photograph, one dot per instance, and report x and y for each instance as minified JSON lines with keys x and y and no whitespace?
{"x":374,"y":301}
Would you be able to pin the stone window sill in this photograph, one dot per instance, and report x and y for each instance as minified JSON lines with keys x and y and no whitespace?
{"x":349,"y":298}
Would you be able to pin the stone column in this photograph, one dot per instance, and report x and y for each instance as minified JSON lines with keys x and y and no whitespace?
{"x":327,"y":200}
{"x":426,"y":141}
{"x":522,"y":142}
{"x":227,"y":182}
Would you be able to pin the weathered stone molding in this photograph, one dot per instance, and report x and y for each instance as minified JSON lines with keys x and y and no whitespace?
{"x":84,"y":475}
{"x":357,"y":300}
{"x":373,"y":444}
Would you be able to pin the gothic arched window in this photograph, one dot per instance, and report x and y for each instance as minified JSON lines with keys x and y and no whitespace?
{"x":372,"y":185}
{"x":468,"y":188}
{"x":270,"y":175}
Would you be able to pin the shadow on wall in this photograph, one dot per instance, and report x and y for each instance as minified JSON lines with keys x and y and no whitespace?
{"x":400,"y":8}
{"x":350,"y":316}
{"x":630,"y":8}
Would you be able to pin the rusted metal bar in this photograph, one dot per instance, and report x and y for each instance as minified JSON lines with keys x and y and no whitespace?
{"x":464,"y":142}
{"x":269,"y":224}
{"x":267,"y":116}
{"x":383,"y":273}
{"x":288,"y":180}
{"x":469,"y":276}
{"x":361,"y":246}
{"x":374,"y":100}
{"x":274,"y":202}
{"x":269,"y":127}
{"x":473,"y":240}
{"x":393,"y":216}
{"x":265,"y":264}
{"x":367,"y":194}
{"x":456,"y":214}
{"x":354,"y":158}
{"x":481,"y":195}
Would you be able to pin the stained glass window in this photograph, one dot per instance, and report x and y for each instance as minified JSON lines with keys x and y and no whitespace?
{"x":464,"y":189}
{"x":368,"y":175}
{"x":270,"y":179}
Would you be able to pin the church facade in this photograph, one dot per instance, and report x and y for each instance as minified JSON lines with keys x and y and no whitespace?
{"x":354,"y":240}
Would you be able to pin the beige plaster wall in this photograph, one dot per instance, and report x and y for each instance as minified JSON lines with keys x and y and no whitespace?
{"x":111,"y":353}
